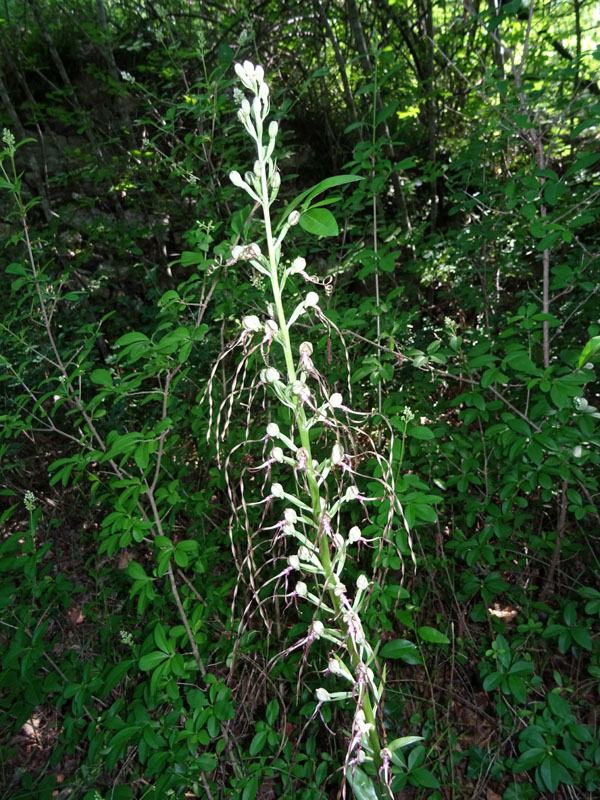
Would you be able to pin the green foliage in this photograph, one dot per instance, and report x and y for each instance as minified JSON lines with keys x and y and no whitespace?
{"x":141,"y":627}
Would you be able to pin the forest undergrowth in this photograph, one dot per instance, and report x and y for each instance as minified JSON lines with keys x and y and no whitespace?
{"x":299,"y":444}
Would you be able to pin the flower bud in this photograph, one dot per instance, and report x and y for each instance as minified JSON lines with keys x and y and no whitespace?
{"x":256,"y":107}
{"x":362,"y":584}
{"x":294,"y":218}
{"x":263,"y":94}
{"x":237,"y":179}
{"x":273,"y":430}
{"x":273,"y":128}
{"x":245,"y":107}
{"x":259,"y":73}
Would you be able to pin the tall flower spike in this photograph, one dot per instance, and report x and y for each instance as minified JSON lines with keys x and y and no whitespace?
{"x":317,"y":485}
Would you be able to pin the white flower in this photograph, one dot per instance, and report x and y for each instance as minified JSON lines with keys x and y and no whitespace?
{"x":253,"y":250}
{"x":362,"y":584}
{"x":336,"y":400}
{"x":251,"y":323}
{"x":354,"y":535}
{"x":334,"y":666}
{"x":337,"y":454}
{"x":323,"y":695}
{"x":301,"y":589}
{"x":277,"y":490}
{"x":304,"y":553}
{"x":338,"y":540}
{"x":290,"y":516}
{"x":299,"y":388}
{"x":277,"y":454}
{"x":269,"y":375}
{"x":352,"y":493}
{"x":294,"y":562}
{"x":271,"y":327}
{"x":318,"y":629}
{"x":312,"y":300}
{"x":294,"y":218}
{"x":273,"y":430}
{"x":298,"y":264}
{"x":273,"y":128}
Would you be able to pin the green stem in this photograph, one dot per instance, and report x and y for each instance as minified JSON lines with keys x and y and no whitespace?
{"x":325,"y":555}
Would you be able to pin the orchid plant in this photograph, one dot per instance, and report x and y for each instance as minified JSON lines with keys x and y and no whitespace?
{"x":312,"y":530}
